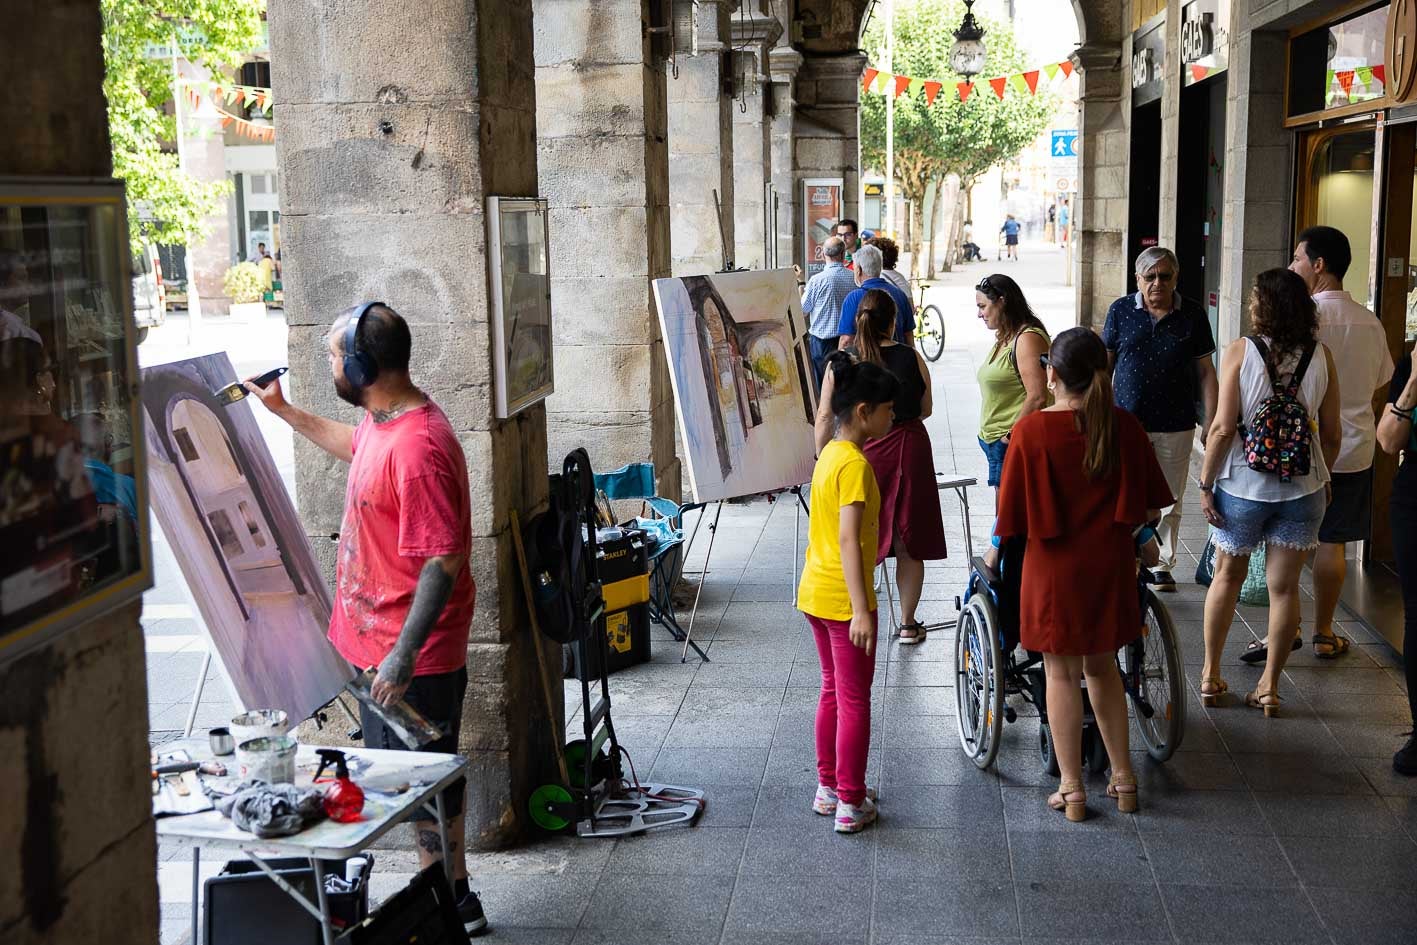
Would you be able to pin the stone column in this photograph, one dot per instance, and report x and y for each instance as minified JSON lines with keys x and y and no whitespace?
{"x":1171,"y":88}
{"x":784,"y":61}
{"x":754,"y":32}
{"x":604,"y":166}
{"x":204,"y":157}
{"x":1100,"y":210}
{"x":396,"y":123}
{"x":701,"y":140}
{"x":827,"y":130}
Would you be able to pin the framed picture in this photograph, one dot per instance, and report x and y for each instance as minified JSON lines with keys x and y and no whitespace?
{"x":821,"y":208}
{"x":522,"y":372}
{"x":73,"y":505}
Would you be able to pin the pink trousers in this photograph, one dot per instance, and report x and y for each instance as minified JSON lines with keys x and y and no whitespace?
{"x":844,"y":710}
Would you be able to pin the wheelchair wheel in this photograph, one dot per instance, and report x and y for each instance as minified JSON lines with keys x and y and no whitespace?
{"x":1155,"y":680}
{"x":931,"y":333}
{"x":979,"y":683}
{"x":1094,"y":750}
{"x":1046,"y":751}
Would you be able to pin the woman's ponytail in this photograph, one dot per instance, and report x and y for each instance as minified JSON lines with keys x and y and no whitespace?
{"x":875,"y":322}
{"x":1099,"y":423}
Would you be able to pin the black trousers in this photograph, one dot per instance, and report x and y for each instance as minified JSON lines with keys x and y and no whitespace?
{"x":1403,"y":515}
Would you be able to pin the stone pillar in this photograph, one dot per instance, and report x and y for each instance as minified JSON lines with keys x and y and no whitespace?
{"x":784,"y":61}
{"x":1170,"y":124}
{"x":827,"y":130}
{"x":1100,"y":210}
{"x":604,"y":165}
{"x":204,"y":157}
{"x":754,"y":32}
{"x":701,"y":141}
{"x":77,"y":846}
{"x":397,"y":121}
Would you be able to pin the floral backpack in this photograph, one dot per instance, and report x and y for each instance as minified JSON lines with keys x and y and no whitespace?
{"x":1279,"y":437}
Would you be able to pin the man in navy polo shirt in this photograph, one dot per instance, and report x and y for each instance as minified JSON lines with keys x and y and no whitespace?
{"x":1160,"y":348}
{"x":869,"y":263}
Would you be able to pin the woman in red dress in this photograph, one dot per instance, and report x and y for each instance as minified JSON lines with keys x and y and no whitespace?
{"x":1079,"y":479}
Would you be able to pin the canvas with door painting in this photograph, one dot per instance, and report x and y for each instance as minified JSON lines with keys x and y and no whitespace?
{"x":741,"y":372}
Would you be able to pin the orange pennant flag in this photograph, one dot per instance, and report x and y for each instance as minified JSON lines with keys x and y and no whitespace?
{"x":1380,"y":73}
{"x":902,"y":82}
{"x":932,"y":89}
{"x":868,"y":77}
{"x":1199,"y":72}
{"x":1067,"y":66}
{"x":964,"y":88}
{"x":998,"y":85}
{"x":1032,"y":79}
{"x":1345,"y":80}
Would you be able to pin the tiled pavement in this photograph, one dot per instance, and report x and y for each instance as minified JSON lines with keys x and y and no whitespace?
{"x":1286,"y":830}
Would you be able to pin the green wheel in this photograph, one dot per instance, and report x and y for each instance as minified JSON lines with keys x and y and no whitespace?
{"x":541,"y":808}
{"x":575,"y":762}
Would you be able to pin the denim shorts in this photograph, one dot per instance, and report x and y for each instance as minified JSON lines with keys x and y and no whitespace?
{"x":994,"y":452}
{"x":1293,"y":523}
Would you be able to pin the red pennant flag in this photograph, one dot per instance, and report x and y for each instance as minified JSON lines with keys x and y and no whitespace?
{"x":902,"y":82}
{"x":225,"y":119}
{"x":1345,"y":80}
{"x":1067,"y":66}
{"x":1032,"y":79}
{"x":931,"y":90}
{"x":868,"y":77}
{"x":964,"y":89}
{"x":217,"y":90}
{"x":261,"y":100}
{"x":1380,"y":73}
{"x":998,"y":85}
{"x":1199,"y":72}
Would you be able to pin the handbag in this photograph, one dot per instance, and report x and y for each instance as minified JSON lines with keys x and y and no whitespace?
{"x":1255,"y":590}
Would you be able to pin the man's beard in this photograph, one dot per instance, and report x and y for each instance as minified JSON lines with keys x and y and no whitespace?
{"x":348,"y":392}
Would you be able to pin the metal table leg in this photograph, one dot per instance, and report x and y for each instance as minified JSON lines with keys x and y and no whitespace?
{"x":327,"y":930}
{"x":196,"y":894}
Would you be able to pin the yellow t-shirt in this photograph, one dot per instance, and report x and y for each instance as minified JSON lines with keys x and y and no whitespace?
{"x":843,"y":476}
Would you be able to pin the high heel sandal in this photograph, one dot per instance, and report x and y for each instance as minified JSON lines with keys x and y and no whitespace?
{"x":1269,"y":701}
{"x":1218,"y":688}
{"x":1126,"y":800}
{"x":1074,"y":810}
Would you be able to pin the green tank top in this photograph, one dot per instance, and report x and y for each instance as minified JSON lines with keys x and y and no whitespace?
{"x":1001,"y":391}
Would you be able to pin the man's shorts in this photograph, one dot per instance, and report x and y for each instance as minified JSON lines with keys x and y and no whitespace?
{"x":439,"y":698}
{"x":994,"y":452}
{"x":1292,"y":523}
{"x":1350,"y":514}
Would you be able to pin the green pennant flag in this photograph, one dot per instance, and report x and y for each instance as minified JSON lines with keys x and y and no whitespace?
{"x":1019,"y":83}
{"x":1052,"y":70}
{"x":1328,"y":84}
{"x":916,"y":87}
{"x":231,"y":95}
{"x":1365,"y":75}
{"x":884,"y":80}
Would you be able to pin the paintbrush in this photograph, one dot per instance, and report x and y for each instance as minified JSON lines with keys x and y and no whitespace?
{"x":236,"y":391}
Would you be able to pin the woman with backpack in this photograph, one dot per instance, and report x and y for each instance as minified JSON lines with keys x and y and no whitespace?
{"x":1265,"y":475}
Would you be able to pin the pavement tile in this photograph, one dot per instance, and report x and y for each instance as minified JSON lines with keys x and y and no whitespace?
{"x":1051,"y":855}
{"x":817,"y":905}
{"x":1080,"y":909}
{"x":1370,"y":916}
{"x":1240,"y":915}
{"x":800,"y":851}
{"x":1026,"y":811}
{"x":916,"y":907}
{"x":911,"y":766}
{"x":959,"y":855}
{"x":1188,"y":771}
{"x":1302,"y":773}
{"x":1384,"y":780}
{"x":747,"y":731}
{"x":556,"y":902}
{"x":696,"y":851}
{"x":658,"y":902}
{"x":1178,"y":857}
{"x":973,"y":806}
{"x":1354,"y":862}
{"x":782,"y":805}
{"x":742,"y":675}
{"x":690,"y":766}
{"x":1328,"y":815}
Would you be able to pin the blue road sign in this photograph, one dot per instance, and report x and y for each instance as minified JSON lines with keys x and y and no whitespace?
{"x":1065,"y":144}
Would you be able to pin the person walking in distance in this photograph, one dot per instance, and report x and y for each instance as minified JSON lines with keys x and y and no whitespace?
{"x":1160,"y":348}
{"x":1358,"y":342}
{"x":405,"y":593}
{"x":822,"y":302}
{"x":1010,"y":229}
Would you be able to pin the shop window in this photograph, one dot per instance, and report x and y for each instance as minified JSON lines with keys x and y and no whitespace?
{"x":1339,"y":64}
{"x":1342,"y":178}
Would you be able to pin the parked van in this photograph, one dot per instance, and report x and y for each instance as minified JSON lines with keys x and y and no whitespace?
{"x":149,"y":301}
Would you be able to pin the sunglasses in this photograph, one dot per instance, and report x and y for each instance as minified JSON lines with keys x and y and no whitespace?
{"x":987,"y":288}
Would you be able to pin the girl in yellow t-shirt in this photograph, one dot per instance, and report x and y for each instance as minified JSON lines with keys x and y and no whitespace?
{"x":836,"y":591}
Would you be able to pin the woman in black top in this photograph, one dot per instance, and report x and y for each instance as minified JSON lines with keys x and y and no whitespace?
{"x":911,"y":527}
{"x":1395,"y":435}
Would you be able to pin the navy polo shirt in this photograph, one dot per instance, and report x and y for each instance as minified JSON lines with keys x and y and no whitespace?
{"x":904,"y":311}
{"x":1155,"y":375}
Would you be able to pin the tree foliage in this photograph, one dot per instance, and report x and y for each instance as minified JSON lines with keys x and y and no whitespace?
{"x":165,"y":204}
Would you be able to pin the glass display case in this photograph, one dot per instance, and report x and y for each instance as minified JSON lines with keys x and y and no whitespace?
{"x":73,"y":513}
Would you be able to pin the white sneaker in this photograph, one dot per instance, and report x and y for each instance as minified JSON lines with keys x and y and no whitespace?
{"x":854,"y":819}
{"x":825,"y":801}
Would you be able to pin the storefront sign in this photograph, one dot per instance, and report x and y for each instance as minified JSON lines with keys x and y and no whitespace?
{"x":821,"y":208}
{"x":1205,"y":39}
{"x":1402,"y":51}
{"x":1148,"y":54}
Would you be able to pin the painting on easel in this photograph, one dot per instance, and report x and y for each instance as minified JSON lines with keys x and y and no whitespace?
{"x":236,"y":536}
{"x":736,"y":345}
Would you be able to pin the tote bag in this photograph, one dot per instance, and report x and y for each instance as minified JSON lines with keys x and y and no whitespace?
{"x":1254,"y":591}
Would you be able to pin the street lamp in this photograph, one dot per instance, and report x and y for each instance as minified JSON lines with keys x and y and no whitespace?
{"x":967,"y":55}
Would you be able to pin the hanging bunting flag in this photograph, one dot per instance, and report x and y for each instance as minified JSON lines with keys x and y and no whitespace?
{"x":998,"y":86}
{"x":1052,"y":70}
{"x":1199,"y":72}
{"x":902,"y":82}
{"x":883,"y":82}
{"x":1067,"y":66}
{"x":1380,"y":73}
{"x":932,"y":88}
{"x":1018,"y":82}
{"x":964,"y":88}
{"x":868,"y":77}
{"x":1031,"y":80}
{"x":1365,"y":76}
{"x":1345,"y":81}
{"x":1328,"y":83}
{"x":915,"y":86}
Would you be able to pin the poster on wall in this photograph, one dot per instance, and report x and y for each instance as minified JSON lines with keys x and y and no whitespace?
{"x":821,"y":208}
{"x":235,"y":534}
{"x":742,"y":377}
{"x":521,"y":303}
{"x":73,"y":521}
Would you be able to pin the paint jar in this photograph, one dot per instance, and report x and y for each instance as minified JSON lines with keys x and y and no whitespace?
{"x":259,"y":723}
{"x":269,"y":759}
{"x":221,"y":741}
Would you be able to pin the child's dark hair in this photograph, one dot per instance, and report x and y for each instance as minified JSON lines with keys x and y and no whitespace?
{"x":858,"y":382}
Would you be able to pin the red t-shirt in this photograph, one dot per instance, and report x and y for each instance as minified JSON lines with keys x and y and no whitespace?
{"x":407,"y":501}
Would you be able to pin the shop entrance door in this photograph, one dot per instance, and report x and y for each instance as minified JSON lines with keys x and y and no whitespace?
{"x":1200,"y":195}
{"x":1144,"y":209}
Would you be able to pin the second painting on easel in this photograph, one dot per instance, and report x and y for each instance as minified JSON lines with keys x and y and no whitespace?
{"x":743,"y":386}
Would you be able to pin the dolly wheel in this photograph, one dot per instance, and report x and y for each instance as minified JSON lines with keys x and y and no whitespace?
{"x":542,"y":807}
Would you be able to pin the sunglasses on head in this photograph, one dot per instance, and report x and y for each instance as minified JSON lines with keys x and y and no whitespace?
{"x":987,"y":288}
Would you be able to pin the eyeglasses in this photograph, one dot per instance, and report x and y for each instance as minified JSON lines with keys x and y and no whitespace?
{"x":1158,"y":277}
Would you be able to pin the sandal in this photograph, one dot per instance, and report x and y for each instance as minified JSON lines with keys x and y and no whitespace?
{"x":1269,"y":701}
{"x":1126,"y":800}
{"x":912,"y":633}
{"x":1258,"y":650}
{"x":1333,"y":645}
{"x":1212,"y":688}
{"x":1071,"y":799}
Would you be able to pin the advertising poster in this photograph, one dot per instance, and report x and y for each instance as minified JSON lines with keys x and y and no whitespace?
{"x":821,"y":208}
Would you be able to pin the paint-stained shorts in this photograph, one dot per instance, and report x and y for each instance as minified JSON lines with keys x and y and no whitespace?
{"x":438,"y":697}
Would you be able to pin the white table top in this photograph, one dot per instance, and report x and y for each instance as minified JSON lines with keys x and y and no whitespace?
{"x":374,"y":770}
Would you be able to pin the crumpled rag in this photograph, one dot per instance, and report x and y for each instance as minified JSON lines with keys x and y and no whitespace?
{"x":272,"y":810}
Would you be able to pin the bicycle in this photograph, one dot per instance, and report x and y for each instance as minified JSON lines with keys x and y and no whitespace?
{"x":929,"y":325}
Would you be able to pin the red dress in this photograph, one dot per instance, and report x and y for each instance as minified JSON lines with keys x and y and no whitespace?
{"x":1079,"y":590}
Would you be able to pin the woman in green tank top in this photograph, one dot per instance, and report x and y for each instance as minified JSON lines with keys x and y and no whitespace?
{"x":1012,"y":382}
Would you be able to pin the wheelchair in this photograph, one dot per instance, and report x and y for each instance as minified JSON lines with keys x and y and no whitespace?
{"x":991,"y":666}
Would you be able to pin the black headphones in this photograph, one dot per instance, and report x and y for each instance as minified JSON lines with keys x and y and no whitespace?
{"x":360,"y":368}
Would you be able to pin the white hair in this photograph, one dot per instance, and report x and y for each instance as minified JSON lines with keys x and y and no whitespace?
{"x":869,"y":261}
{"x":1155,"y":256}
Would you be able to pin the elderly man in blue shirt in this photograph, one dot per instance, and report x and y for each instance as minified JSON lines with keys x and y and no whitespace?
{"x":1161,"y":351}
{"x":869,"y":263}
{"x":822,"y":301}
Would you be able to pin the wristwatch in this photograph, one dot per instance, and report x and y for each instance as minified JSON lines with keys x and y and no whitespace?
{"x":1203,"y":487}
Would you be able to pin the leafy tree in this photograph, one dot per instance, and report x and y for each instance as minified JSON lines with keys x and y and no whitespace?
{"x":949,"y":137}
{"x":138,"y":83}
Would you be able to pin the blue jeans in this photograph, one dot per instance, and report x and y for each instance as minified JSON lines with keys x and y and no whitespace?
{"x":821,"y":348}
{"x":994,"y":452}
{"x":1247,"y":524}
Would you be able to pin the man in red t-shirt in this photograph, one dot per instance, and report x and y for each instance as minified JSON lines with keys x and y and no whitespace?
{"x":404,"y":594}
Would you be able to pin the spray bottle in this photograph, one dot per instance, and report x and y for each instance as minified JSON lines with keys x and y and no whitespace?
{"x":344,"y":800}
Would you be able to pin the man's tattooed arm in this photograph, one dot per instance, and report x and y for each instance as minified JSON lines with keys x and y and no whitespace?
{"x":430,"y":596}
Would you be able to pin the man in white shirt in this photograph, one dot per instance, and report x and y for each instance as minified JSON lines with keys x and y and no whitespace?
{"x":1356,"y":338}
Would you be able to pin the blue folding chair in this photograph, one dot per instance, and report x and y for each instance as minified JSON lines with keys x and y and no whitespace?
{"x":662,"y":521}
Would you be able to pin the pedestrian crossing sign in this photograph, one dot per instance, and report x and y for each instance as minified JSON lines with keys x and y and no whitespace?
{"x":1065,"y":144}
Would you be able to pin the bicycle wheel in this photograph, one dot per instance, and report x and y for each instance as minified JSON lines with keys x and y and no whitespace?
{"x":979,"y":684}
{"x":1151,"y":667}
{"x":930,"y":332}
